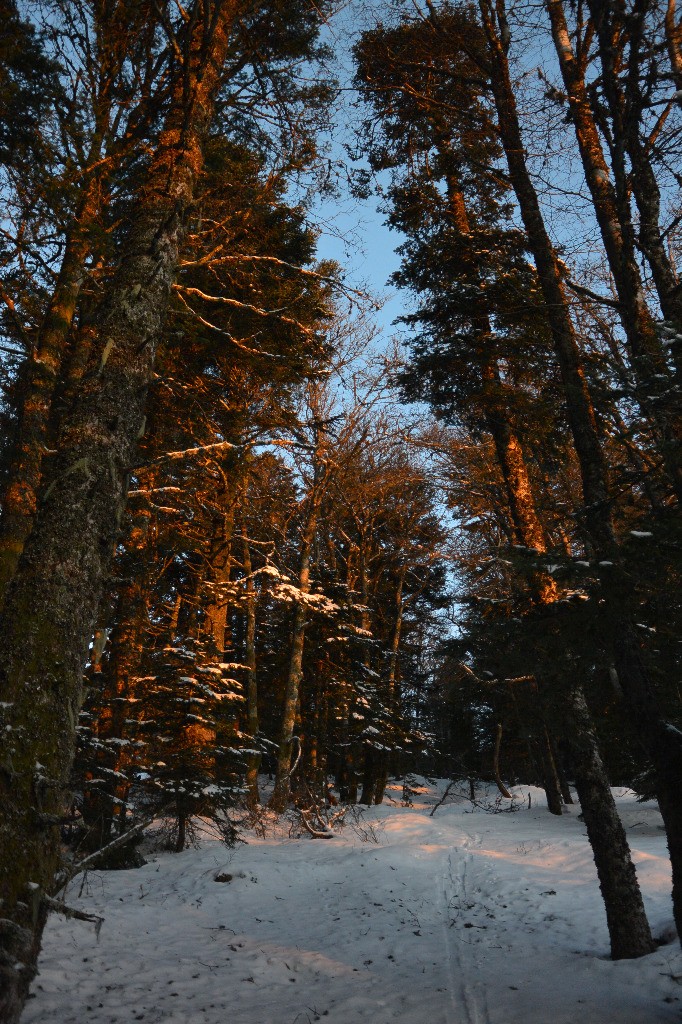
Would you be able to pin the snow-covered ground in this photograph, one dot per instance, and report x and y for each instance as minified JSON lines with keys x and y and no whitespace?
{"x":465,"y":917}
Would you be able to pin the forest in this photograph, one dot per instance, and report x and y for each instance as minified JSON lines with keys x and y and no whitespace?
{"x":262,"y":554}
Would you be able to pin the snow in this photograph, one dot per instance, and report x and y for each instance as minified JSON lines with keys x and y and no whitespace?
{"x":466,"y":917}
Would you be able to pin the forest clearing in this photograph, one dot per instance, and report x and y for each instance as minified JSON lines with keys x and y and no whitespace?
{"x":463,"y":917}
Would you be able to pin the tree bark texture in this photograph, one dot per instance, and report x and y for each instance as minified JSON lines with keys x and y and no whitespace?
{"x":253,"y":762}
{"x":652,"y":378}
{"x":51,"y":607}
{"x":673,"y":38}
{"x":105,"y":802}
{"x":282,"y":789}
{"x":627,"y":922}
{"x":624,"y":907}
{"x":551,"y":783}
{"x":579,"y":406}
{"x":19,"y":501}
{"x":369,"y":775}
{"x":663,"y":745}
{"x":215,"y":588}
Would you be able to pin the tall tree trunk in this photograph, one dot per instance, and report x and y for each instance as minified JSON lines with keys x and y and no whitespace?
{"x":382,"y":761}
{"x":528,"y":528}
{"x":662,"y":742}
{"x":630,"y":104}
{"x":347,"y":774}
{"x":19,"y":501}
{"x":558,"y":768}
{"x":51,"y":607}
{"x":551,"y":783}
{"x":673,"y":38}
{"x":627,"y":922}
{"x":619,"y":886}
{"x":369,"y":775}
{"x":541,"y":742}
{"x":579,"y":406}
{"x":648,"y":362}
{"x":254,"y":759}
{"x":508,"y":449}
{"x":216,"y":598}
{"x":282,"y":789}
{"x":102,"y":804}
{"x":496,"y":763}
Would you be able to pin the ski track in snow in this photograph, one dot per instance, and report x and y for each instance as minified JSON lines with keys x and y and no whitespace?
{"x":460,"y":918}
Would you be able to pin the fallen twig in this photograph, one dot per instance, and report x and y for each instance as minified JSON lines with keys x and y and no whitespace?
{"x":115,"y":844}
{"x":79,"y":915}
{"x":443,"y":798}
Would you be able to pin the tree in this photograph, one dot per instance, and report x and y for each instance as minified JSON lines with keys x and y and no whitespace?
{"x":482,"y":51}
{"x":219,"y":394}
{"x":51,"y":608}
{"x":97,"y":113}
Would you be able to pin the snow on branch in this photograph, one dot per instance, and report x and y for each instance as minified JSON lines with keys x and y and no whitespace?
{"x":224,"y":300}
{"x":241,"y":257}
{"x":216,"y":446}
{"x":185,"y":453}
{"x":226,"y":334}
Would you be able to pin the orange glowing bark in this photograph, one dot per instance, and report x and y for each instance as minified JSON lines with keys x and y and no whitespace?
{"x":50,"y":612}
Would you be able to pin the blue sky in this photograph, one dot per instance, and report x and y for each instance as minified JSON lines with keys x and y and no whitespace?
{"x":354,"y":235}
{"x":352,"y":230}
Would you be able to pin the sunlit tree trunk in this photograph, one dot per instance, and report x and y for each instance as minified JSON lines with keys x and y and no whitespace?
{"x":20,"y":499}
{"x":628,"y":926}
{"x":251,"y":675}
{"x":216,"y":587}
{"x":579,"y":407}
{"x":282,"y":790}
{"x":51,"y":607}
{"x":507,"y":446}
{"x":510,"y":456}
{"x":673,"y":38}
{"x":648,"y":362}
{"x":105,"y":802}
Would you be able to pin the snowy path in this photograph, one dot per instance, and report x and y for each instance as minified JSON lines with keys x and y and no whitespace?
{"x":463,"y":918}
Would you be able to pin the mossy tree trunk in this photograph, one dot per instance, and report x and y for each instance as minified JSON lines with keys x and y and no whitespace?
{"x":51,"y":606}
{"x":20,"y":499}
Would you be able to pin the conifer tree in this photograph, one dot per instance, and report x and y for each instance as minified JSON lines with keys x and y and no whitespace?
{"x":482,"y":51}
{"x":51,"y":609}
